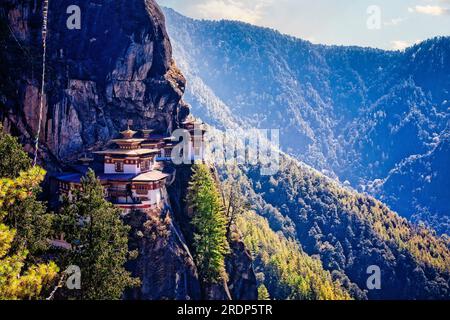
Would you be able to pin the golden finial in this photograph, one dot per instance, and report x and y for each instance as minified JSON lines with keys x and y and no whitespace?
{"x":128,"y":134}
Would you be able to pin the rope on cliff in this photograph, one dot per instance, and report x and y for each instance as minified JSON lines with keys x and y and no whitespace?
{"x":58,"y":286}
{"x":41,"y":102}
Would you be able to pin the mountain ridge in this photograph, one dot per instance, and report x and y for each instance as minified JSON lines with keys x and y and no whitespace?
{"x":353,"y":113}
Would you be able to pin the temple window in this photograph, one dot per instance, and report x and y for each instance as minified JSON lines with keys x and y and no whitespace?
{"x":145,"y":165}
{"x":119,"y":166}
{"x":141,"y":189}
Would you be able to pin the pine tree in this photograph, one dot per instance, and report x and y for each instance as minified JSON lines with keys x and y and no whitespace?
{"x":99,"y":240}
{"x":13,"y":159}
{"x":15,"y":283}
{"x":263,"y":293}
{"x":210,"y":226}
{"x":28,"y":216}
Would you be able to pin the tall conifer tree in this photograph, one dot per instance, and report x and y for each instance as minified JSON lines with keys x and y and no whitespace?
{"x":210,"y":225}
{"x":99,"y":241}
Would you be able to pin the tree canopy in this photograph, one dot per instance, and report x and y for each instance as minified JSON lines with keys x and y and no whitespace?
{"x":13,"y":158}
{"x":284,"y":270}
{"x":16,"y":281}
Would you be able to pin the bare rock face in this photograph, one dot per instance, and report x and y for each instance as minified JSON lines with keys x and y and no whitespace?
{"x":117,"y":67}
{"x":242,"y":282}
{"x":164,"y":264}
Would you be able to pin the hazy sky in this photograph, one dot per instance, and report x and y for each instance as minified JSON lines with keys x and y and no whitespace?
{"x":387,"y":24}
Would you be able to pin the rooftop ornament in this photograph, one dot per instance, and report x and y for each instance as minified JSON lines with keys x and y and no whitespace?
{"x":128,"y":134}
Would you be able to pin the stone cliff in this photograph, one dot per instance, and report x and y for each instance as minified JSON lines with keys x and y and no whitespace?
{"x":117,"y":67}
{"x":164,"y":264}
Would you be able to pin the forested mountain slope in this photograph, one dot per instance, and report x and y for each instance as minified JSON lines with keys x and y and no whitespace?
{"x":349,"y":232}
{"x":357,"y":114}
{"x":282,"y":266}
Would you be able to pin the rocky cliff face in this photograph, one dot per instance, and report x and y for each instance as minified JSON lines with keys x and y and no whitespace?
{"x":164,"y":264}
{"x":117,"y":67}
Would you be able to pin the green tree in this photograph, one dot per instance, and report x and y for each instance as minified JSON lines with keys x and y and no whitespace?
{"x":263,"y":293}
{"x":13,"y":159}
{"x":15,"y":282}
{"x":28,"y":216}
{"x":210,"y":225}
{"x":99,"y":240}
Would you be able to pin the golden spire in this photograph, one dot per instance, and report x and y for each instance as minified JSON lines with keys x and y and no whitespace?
{"x":146,"y":132}
{"x":128,"y":134}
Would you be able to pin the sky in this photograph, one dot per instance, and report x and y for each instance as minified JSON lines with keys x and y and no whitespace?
{"x":386,"y":24}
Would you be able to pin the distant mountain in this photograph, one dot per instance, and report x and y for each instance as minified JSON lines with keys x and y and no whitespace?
{"x":424,"y":181}
{"x":366,"y":116}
